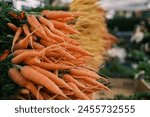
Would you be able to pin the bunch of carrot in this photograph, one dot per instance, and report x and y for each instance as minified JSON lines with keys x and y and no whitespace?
{"x":48,"y":64}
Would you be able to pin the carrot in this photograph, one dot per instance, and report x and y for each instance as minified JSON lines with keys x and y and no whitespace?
{"x":78,"y":49}
{"x":4,"y":55}
{"x":69,"y":78}
{"x":93,"y":72}
{"x":56,"y":72}
{"x":37,"y":34}
{"x":24,"y":42}
{"x":21,"y":57}
{"x":63,"y":26}
{"x":16,"y":76}
{"x":32,"y":60}
{"x":52,"y":66}
{"x":47,"y":43}
{"x":88,"y":69}
{"x":24,"y":92}
{"x":50,"y":25}
{"x":36,"y":45}
{"x":20,"y":51}
{"x":32,"y":20}
{"x":53,"y":77}
{"x":83,"y":73}
{"x":68,"y":92}
{"x":27,"y":32}
{"x":53,"y":36}
{"x":66,"y":62}
{"x":25,"y":29}
{"x":16,"y":37}
{"x":77,"y":92}
{"x":56,"y":14}
{"x":68,"y":19}
{"x":94,"y":82}
{"x":65,"y":54}
{"x":53,"y":54}
{"x":47,"y":60}
{"x":70,"y":40}
{"x":12,"y":26}
{"x":39,"y":78}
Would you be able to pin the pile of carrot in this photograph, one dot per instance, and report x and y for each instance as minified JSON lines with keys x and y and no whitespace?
{"x":48,"y":64}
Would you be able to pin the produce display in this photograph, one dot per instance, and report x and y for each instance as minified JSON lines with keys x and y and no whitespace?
{"x":41,"y":58}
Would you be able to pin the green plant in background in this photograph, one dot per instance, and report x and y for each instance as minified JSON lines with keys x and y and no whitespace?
{"x":115,"y":69}
{"x":136,"y":96}
{"x":144,"y":66}
{"x":39,"y":9}
{"x":137,"y":55}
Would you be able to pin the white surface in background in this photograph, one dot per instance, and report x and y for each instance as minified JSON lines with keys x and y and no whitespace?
{"x":27,"y":3}
{"x":138,"y":36}
{"x":118,"y":52}
{"x":128,"y":5}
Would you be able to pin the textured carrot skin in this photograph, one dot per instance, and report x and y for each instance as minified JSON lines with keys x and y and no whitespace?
{"x":16,"y":76}
{"x":36,"y":77}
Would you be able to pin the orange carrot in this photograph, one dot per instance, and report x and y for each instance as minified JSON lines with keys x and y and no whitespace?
{"x":68,"y":19}
{"x":25,"y":29}
{"x":63,"y":26}
{"x":39,"y":78}
{"x":32,"y":60}
{"x":93,"y":72}
{"x":52,"y":66}
{"x":12,"y":26}
{"x":32,"y":20}
{"x":67,"y":92}
{"x":4,"y":55}
{"x":20,"y":51}
{"x":47,"y":43}
{"x":65,"y":54}
{"x":94,"y":82}
{"x":53,"y":77}
{"x":16,"y":76}
{"x":50,"y":25}
{"x":69,"y":78}
{"x":56,"y":55}
{"x":36,"y":45}
{"x":77,"y":92}
{"x":27,"y":32}
{"x":46,"y":59}
{"x":24,"y":42}
{"x":24,"y":92}
{"x":83,"y":73}
{"x":19,"y":58}
{"x":16,"y":37}
{"x":56,"y":14}
{"x":53,"y":36}
{"x":78,"y":49}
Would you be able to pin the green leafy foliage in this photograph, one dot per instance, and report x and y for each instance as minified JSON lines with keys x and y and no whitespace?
{"x":7,"y":87}
{"x":136,"y":96}
{"x":137,"y":55}
{"x":114,"y":69}
{"x":39,"y":9}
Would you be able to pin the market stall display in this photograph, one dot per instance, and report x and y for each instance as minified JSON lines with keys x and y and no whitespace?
{"x":42,"y":58}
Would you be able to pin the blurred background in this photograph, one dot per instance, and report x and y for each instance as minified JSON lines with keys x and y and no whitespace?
{"x":128,"y":64}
